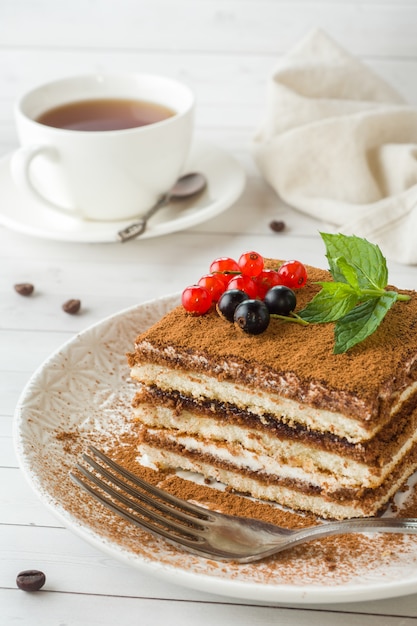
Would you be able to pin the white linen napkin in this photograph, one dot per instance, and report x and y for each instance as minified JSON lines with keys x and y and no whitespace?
{"x":339,"y":144}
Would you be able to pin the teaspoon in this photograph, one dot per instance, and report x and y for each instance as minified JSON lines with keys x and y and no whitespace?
{"x":186,"y":186}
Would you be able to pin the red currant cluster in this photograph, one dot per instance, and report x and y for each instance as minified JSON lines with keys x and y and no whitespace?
{"x":248,"y":274}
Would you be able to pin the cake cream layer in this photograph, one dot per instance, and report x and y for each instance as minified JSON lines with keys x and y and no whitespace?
{"x":293,"y":494}
{"x":374,"y":453}
{"x":279,"y":416}
{"x":293,"y":363}
{"x":260,"y":450}
{"x":266,"y":403}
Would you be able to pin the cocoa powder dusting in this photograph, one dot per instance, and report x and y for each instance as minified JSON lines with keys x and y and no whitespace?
{"x":107,"y":424}
{"x":330,"y":561}
{"x":373,"y":368}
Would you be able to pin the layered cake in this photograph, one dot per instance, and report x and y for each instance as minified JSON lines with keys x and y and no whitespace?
{"x":279,"y":416}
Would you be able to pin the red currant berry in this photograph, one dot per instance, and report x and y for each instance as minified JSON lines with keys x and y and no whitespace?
{"x":244,"y":283}
{"x":224,"y":265}
{"x":196,"y":299}
{"x":251,"y":263}
{"x":214,"y":285}
{"x":265,"y":281}
{"x":293,"y":274}
{"x":224,"y":279}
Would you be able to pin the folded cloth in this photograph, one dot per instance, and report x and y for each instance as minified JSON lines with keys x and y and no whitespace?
{"x":340,"y":144}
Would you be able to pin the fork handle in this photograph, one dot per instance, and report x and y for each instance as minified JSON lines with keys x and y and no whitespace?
{"x":356,"y":525}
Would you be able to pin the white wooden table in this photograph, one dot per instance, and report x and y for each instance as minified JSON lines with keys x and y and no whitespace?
{"x":224,"y":49}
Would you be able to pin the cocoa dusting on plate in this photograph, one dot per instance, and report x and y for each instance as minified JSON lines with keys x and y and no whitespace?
{"x":83,"y":396}
{"x":330,"y":561}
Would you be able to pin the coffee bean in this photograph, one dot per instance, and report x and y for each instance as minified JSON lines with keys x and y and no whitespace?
{"x":30,"y":580}
{"x":277,"y":226}
{"x":72,"y":306}
{"x":24,"y":289}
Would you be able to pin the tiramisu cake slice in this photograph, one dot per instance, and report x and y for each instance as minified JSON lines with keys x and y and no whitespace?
{"x":278,"y":415}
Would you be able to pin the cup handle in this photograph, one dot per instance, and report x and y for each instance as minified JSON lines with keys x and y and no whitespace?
{"x":20,"y":169}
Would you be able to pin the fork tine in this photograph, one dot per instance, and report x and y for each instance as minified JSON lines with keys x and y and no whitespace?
{"x":142,"y":495}
{"x":206,"y":533}
{"x":163,"y":496}
{"x":170,"y":530}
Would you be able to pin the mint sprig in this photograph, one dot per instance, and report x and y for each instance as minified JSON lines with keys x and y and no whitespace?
{"x":357,"y":299}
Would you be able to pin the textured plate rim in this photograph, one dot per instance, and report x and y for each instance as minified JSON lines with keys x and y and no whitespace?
{"x":238,"y":589}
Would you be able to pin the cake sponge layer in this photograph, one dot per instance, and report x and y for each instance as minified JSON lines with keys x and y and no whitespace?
{"x":279,"y":416}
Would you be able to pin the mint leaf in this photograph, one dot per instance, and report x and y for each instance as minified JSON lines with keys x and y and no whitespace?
{"x":331,"y":303}
{"x":356,"y":299}
{"x":362,"y":321}
{"x":348,"y":271}
{"x":365,"y":257}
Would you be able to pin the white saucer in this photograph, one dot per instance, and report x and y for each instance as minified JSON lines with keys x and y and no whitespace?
{"x":225,"y":177}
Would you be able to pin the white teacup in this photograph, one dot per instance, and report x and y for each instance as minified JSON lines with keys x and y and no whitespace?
{"x":102,"y":174}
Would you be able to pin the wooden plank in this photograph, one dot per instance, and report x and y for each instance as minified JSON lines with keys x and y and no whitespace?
{"x":230,"y":88}
{"x":54,"y":607}
{"x":62,"y":555}
{"x":262,"y":26}
{"x":19,"y":505}
{"x":11,"y":386}
{"x":25,"y":350}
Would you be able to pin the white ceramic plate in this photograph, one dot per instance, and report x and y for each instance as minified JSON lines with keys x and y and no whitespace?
{"x":225,"y":177}
{"x":81,"y":395}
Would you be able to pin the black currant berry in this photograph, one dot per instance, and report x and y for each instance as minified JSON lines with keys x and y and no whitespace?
{"x":228,"y":302}
{"x":280,"y":300}
{"x":252,"y":316}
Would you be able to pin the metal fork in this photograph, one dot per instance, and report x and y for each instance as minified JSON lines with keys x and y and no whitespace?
{"x":201,"y":531}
